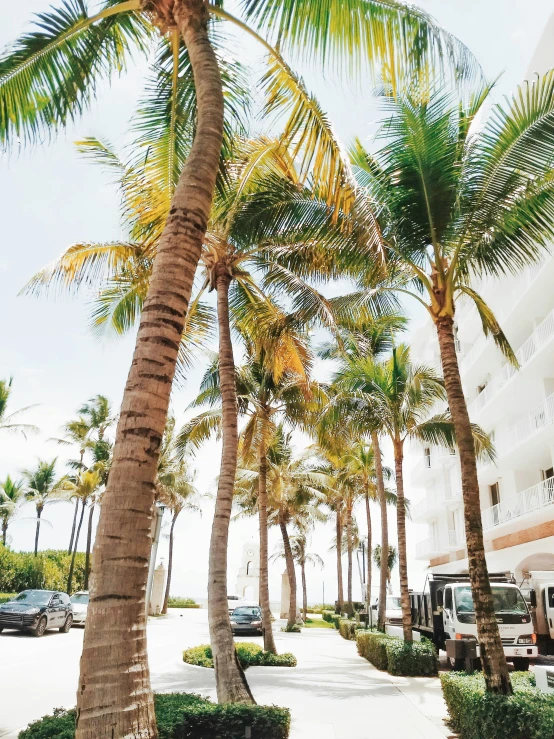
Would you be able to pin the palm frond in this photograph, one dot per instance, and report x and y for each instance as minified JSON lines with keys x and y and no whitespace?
{"x":490,"y":324}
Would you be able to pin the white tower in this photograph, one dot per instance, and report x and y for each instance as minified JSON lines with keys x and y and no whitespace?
{"x":248,"y":580}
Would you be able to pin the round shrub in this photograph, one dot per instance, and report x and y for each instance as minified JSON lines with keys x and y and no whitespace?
{"x":292,"y":629}
{"x":417,"y":659}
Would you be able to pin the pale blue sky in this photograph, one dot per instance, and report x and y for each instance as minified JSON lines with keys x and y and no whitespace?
{"x":50,"y":199}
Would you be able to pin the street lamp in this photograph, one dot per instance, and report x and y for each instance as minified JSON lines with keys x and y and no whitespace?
{"x":156,"y":529}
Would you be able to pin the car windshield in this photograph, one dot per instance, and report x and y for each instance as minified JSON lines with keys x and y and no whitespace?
{"x":506,"y":600}
{"x":393,"y":603}
{"x":246,"y":612}
{"x":36,"y":597}
{"x":80,"y":599}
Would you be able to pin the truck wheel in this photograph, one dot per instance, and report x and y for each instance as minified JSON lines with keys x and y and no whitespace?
{"x":521,"y":664}
{"x":456,"y":664}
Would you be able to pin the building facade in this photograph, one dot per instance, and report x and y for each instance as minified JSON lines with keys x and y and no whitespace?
{"x":515,"y":406}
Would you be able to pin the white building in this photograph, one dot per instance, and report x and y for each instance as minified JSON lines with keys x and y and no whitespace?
{"x":515,"y":406}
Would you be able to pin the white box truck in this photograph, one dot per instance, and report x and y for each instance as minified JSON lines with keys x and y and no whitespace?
{"x":538,"y":589}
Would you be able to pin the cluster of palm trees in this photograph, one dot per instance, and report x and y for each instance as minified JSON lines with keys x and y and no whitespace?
{"x":438,"y":204}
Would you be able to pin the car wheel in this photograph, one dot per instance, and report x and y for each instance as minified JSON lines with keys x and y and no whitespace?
{"x":1,"y":629}
{"x":67,"y":625}
{"x":521,"y":664}
{"x":41,"y":628}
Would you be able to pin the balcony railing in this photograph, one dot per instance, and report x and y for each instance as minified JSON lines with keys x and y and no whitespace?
{"x":542,"y":415}
{"x":532,"y":499}
{"x":427,"y":548}
{"x":540,"y":336}
{"x":456,"y":539}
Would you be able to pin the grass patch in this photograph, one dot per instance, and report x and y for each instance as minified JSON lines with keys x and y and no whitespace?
{"x":317,"y":623}
{"x":249,"y":654}
{"x":178,"y":602}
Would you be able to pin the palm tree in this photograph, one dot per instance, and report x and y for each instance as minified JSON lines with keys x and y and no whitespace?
{"x":41,"y":487}
{"x":11,"y":495}
{"x":302,"y":557}
{"x":60,"y":63}
{"x":97,"y":413}
{"x":391,"y":560}
{"x":9,"y":421}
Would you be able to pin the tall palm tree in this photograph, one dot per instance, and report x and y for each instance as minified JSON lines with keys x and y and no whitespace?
{"x":41,"y":488}
{"x":302,"y":557}
{"x":11,"y":496}
{"x":10,"y":421}
{"x":98,"y":414}
{"x":60,"y":63}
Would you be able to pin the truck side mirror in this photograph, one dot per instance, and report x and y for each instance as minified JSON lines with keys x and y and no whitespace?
{"x":440,"y":598}
{"x":533,"y":598}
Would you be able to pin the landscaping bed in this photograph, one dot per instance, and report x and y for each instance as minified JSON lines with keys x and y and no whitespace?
{"x":185,"y":716}
{"x":393,"y":654}
{"x":332,"y":618}
{"x":249,"y":654}
{"x":178,"y":602}
{"x":476,"y":714}
{"x":317,"y":623}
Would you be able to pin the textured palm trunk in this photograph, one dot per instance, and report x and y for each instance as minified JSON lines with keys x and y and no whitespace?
{"x":75,"y":545}
{"x":114,"y":698}
{"x":384,"y":532}
{"x":349,"y":604}
{"x":89,"y":543}
{"x":291,"y":573}
{"x":75,"y":512}
{"x":340,"y":589}
{"x":4,"y":531}
{"x":369,"y":547}
{"x":230,"y":681}
{"x":495,"y":669}
{"x":269,"y":641}
{"x":37,"y":531}
{"x":401,"y":535}
{"x":304,"y":589}
{"x":169,"y":563}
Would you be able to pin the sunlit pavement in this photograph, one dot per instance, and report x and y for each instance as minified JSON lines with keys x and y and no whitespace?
{"x":332,"y":694}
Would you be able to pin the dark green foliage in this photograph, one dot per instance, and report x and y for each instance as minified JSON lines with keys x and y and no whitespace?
{"x":47,"y":571}
{"x":178,"y":602}
{"x":415,"y":659}
{"x":348,"y":628}
{"x":5,"y":597}
{"x":249,"y":654}
{"x":185,"y":716}
{"x":373,"y":646}
{"x":476,"y":714}
{"x":328,"y":616}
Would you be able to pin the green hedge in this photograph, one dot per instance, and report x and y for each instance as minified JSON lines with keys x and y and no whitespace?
{"x":328,"y":616}
{"x":185,"y":716}
{"x":249,"y":654}
{"x":48,"y":570}
{"x":321,"y":607}
{"x":348,"y":628}
{"x":372,"y":645}
{"x":476,"y":714}
{"x":177,"y":602}
{"x":397,"y":656}
{"x":5,"y":597}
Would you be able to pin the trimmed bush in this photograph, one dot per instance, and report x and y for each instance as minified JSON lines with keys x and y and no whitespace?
{"x":372,"y":645}
{"x":292,"y":629}
{"x":476,"y":714}
{"x":185,"y":716}
{"x":249,"y":654}
{"x":348,"y":628}
{"x":321,"y":607}
{"x":49,"y":570}
{"x":411,"y":660}
{"x":5,"y":597}
{"x":328,"y":616}
{"x":178,"y":602}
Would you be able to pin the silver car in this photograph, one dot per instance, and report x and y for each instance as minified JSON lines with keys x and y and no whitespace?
{"x":79,"y":602}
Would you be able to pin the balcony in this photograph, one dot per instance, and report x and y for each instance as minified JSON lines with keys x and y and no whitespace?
{"x":540,"y":336}
{"x":431,"y":466}
{"x":456,"y":539}
{"x":428,"y":548}
{"x":442,"y":495}
{"x":528,"y":501}
{"x":542,"y":415}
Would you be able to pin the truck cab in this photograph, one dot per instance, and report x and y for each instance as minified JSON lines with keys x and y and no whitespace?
{"x":538,"y":590}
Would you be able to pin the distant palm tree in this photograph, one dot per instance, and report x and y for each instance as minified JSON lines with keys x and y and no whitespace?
{"x":41,"y":488}
{"x":11,"y":496}
{"x":300,"y":554}
{"x":98,"y":414}
{"x":9,"y":421}
{"x":391,"y":560}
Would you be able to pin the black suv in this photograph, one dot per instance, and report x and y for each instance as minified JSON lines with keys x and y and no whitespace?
{"x":36,"y":611}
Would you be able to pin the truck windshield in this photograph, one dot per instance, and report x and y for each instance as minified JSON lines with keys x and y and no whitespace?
{"x":506,"y":600}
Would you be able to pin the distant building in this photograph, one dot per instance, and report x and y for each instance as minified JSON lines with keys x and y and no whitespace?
{"x":248,"y":579}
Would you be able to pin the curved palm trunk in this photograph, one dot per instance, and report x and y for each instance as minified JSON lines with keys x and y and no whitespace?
{"x":401,"y":534}
{"x":304,"y":589}
{"x":291,"y":573}
{"x":230,"y":681}
{"x":4,"y":530}
{"x":349,"y":605}
{"x":75,"y":512}
{"x":75,"y":545}
{"x":340,"y":594}
{"x":495,"y":669}
{"x":114,"y":699}
{"x":269,"y":641}
{"x":89,"y":542}
{"x":369,"y":548}
{"x":169,"y":563}
{"x":37,"y":532}
{"x":384,"y":532}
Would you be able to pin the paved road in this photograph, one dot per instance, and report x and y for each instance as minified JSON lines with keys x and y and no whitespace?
{"x":333,"y":693}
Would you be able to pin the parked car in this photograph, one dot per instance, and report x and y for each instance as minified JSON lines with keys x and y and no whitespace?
{"x":79,"y":601}
{"x":36,"y":611}
{"x":247,"y":620}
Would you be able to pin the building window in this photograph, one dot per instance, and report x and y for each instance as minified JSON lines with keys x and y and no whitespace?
{"x":547,"y":474}
{"x":495,"y":494}
{"x":248,"y":565}
{"x":427,"y":456}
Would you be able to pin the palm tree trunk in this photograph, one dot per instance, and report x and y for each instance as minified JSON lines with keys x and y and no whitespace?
{"x":304,"y":589}
{"x":269,"y":641}
{"x":291,"y":573}
{"x":37,"y":533}
{"x":349,"y":605}
{"x":169,"y":563}
{"x":70,"y":548}
{"x":340,"y":590}
{"x":495,"y":669}
{"x":75,"y":545}
{"x":114,"y":669}
{"x":401,"y":534}
{"x":369,"y":547}
{"x":231,"y":684}
{"x":89,"y":542}
{"x":384,"y":531}
{"x":4,"y":531}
